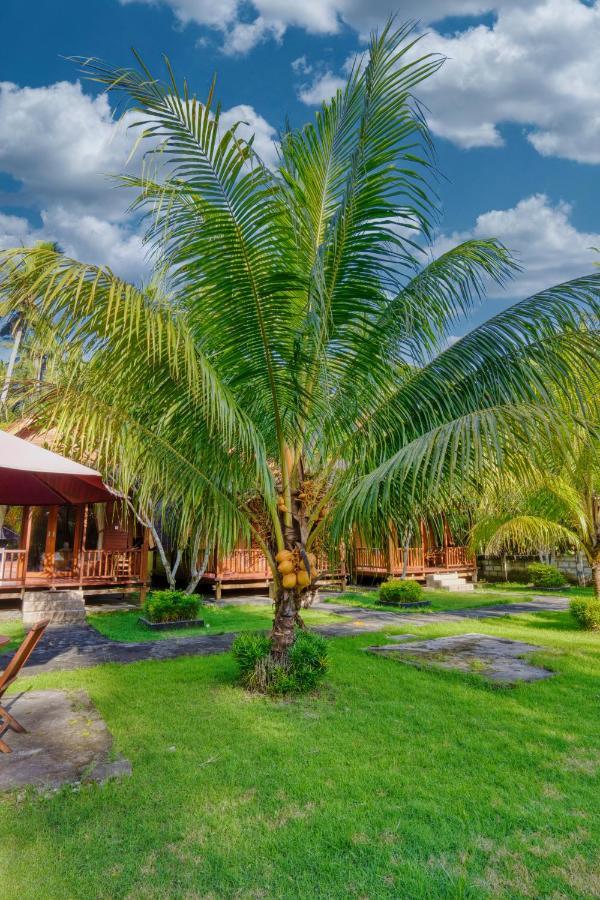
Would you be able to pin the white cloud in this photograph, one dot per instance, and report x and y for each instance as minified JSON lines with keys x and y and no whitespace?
{"x":201,"y":12}
{"x":245,"y":23}
{"x":61,"y":145}
{"x":81,"y":236}
{"x":251,"y":123}
{"x":301,"y":66}
{"x":91,"y":239}
{"x":14,"y":231}
{"x":538,"y":67}
{"x":322,"y":88}
{"x":548,"y":246}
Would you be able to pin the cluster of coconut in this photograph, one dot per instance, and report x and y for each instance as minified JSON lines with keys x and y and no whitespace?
{"x":292,"y":567}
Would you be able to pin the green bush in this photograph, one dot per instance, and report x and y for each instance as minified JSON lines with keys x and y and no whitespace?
{"x":249,"y":648}
{"x":544,"y":576}
{"x":586,"y":612}
{"x":171,"y":606}
{"x":396,"y":591}
{"x":305,"y":666}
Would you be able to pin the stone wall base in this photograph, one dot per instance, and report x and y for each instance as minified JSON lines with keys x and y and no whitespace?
{"x":495,"y":569}
{"x":60,"y":607}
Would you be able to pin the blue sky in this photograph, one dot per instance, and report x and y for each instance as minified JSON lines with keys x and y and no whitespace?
{"x":515,"y":111}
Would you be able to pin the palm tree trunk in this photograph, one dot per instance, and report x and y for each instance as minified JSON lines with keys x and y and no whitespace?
{"x":11,"y":365}
{"x":287,"y":606}
{"x":596,"y":578}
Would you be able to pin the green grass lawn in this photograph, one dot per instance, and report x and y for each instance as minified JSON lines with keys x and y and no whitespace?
{"x":14,"y":630}
{"x":392,"y":782}
{"x":124,"y":626}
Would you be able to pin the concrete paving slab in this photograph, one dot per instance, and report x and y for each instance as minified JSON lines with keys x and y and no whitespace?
{"x":67,"y":742}
{"x":495,"y":659}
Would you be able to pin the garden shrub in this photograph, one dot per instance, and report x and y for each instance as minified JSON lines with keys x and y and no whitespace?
{"x":171,"y":606}
{"x":305,"y":666}
{"x":396,"y":591}
{"x":545,"y":576}
{"x":586,"y":612}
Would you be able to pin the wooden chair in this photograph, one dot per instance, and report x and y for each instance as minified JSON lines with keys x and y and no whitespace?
{"x":30,"y":642}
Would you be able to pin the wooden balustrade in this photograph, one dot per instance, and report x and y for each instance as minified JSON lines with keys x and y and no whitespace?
{"x":244,"y":562}
{"x":374,"y":560}
{"x":457,"y":556}
{"x":12,"y":565}
{"x":115,"y":565}
{"x":370,"y":559}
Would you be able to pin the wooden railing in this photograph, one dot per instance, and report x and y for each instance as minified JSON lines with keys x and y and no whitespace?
{"x":12,"y":565}
{"x":370,"y":559}
{"x":458,"y":556}
{"x":414,"y":560}
{"x":110,"y":565}
{"x":244,"y":562}
{"x":377,"y":561}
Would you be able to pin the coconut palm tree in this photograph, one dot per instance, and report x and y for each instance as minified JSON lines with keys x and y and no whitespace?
{"x":558,"y":507}
{"x":298,"y":349}
{"x":15,"y":326}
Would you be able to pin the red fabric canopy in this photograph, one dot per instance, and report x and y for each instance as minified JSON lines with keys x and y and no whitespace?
{"x":32,"y":476}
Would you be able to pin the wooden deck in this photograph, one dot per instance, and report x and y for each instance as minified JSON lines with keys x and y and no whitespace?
{"x":243,"y":568}
{"x":377,"y":562}
{"x":89,"y":569}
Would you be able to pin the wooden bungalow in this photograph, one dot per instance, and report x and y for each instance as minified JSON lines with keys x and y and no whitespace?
{"x":429,"y":556}
{"x":61,"y":527}
{"x":246,"y":567}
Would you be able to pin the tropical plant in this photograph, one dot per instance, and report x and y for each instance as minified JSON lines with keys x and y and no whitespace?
{"x":586,"y":612}
{"x":299,"y":672}
{"x":556,"y":507}
{"x":543,"y":575}
{"x":395,"y":591}
{"x":15,"y":326}
{"x":171,"y":606}
{"x":298,"y":351}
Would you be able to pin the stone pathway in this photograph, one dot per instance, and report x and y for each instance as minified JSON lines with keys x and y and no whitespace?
{"x":65,"y":647}
{"x":366,"y":619}
{"x":498,"y":660}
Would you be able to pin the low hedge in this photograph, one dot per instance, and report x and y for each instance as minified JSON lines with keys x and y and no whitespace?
{"x":586,"y":612}
{"x":396,"y":591}
{"x":545,"y":576}
{"x":171,"y":606}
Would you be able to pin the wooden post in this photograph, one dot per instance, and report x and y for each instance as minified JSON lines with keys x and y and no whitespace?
{"x":218,"y":571}
{"x":445,"y":541}
{"x":343,"y":574}
{"x":144,"y":565}
{"x":24,"y":539}
{"x":390,"y":548}
{"x":77,"y":543}
{"x":82,"y":537}
{"x":50,"y":547}
{"x":423,"y":544}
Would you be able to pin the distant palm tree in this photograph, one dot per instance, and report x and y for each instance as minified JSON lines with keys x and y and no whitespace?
{"x":298,"y":351}
{"x":14,"y":327}
{"x":559,"y":507}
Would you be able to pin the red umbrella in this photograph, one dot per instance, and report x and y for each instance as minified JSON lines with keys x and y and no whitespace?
{"x":32,"y":476}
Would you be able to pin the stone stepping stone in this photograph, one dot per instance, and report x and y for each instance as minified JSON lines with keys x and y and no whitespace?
{"x":498,"y":660}
{"x":67,"y":742}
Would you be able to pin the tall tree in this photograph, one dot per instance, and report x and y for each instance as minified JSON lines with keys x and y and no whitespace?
{"x":299,"y":353}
